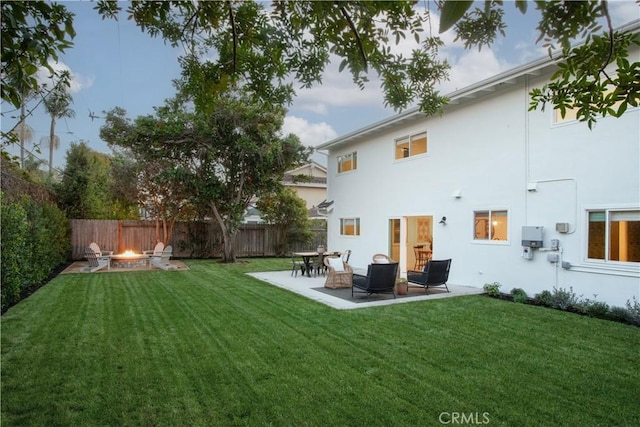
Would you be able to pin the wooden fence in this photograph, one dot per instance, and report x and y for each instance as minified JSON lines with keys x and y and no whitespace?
{"x":189,"y":239}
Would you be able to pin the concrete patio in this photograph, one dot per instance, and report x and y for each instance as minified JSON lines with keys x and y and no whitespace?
{"x":313,"y":288}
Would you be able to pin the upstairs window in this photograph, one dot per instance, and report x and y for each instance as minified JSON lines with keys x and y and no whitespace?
{"x":348,"y":162}
{"x":614,"y":235}
{"x":349,"y":226}
{"x":491,"y":225}
{"x":413,"y":145}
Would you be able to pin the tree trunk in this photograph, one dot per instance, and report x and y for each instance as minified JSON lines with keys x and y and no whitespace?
{"x":22,"y":119}
{"x":228,"y":236}
{"x":52,"y":135}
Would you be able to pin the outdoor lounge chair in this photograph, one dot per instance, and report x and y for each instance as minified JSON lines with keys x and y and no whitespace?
{"x":157,"y":250}
{"x":96,"y":262}
{"x":339,"y":273}
{"x":384,"y":259}
{"x":380,"y":279}
{"x":435,"y":273}
{"x":94,"y":246}
{"x":162,"y":260}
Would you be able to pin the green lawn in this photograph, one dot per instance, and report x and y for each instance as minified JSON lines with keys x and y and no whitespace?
{"x":212,"y":346}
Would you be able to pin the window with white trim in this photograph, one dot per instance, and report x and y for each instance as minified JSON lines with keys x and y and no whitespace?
{"x":409,"y":146}
{"x":349,"y":226}
{"x":571,"y":114}
{"x":348,"y":162}
{"x":614,"y":235}
{"x":490,"y":225}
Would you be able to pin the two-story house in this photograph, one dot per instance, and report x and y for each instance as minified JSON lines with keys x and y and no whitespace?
{"x":524,"y":198}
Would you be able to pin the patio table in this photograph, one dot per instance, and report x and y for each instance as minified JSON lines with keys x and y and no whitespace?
{"x":306,"y":258}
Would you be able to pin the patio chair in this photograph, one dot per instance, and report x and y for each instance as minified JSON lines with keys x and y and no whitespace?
{"x":420,"y":255}
{"x":434,"y":274}
{"x":96,"y":262}
{"x":339,"y":273}
{"x":319,"y":267}
{"x":380,"y":279}
{"x":162,"y":260}
{"x":94,"y":246}
{"x":384,"y":259}
{"x":157,"y":250}
{"x":346,"y":255}
{"x":297,"y":264}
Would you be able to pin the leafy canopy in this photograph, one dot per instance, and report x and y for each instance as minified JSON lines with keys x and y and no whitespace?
{"x":33,"y":33}
{"x":267,"y":49}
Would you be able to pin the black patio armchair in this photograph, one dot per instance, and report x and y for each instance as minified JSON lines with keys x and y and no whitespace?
{"x":435,"y":273}
{"x":380,"y":279}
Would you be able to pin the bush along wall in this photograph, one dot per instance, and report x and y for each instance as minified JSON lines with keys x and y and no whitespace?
{"x":567,"y":300}
{"x":35,"y":241}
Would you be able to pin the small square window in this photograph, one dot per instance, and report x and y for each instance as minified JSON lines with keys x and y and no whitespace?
{"x":491,"y":225}
{"x":413,"y":145}
{"x":348,"y":162}
{"x":349,"y":226}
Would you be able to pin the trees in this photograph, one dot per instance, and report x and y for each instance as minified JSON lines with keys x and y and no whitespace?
{"x":225,"y":154}
{"x":295,"y":40}
{"x":282,"y":206}
{"x":83,"y":190}
{"x":33,"y":32}
{"x":57,"y":105}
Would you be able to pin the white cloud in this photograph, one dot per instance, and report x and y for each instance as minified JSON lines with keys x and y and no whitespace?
{"x":78,"y":81}
{"x":471,"y":67}
{"x":310,"y":134}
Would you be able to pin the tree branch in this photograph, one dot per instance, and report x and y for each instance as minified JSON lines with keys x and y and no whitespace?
{"x":346,"y":16}
{"x":605,"y":12}
{"x":232,"y":21}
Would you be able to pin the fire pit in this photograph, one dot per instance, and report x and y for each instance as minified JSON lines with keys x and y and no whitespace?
{"x":129,"y":259}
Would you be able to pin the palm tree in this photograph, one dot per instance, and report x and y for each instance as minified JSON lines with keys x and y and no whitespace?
{"x":57,"y":105}
{"x":24,"y":132}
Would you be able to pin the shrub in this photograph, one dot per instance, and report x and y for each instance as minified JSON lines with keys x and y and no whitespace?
{"x":619,"y":314}
{"x":564,"y":299}
{"x":593,"y":308}
{"x":633,"y":309}
{"x":519,"y":295}
{"x":35,"y":240}
{"x":492,"y":289}
{"x":543,"y":298}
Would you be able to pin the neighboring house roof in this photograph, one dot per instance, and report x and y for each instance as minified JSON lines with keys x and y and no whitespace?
{"x":484,"y":87}
{"x":300,"y":177}
{"x":303,"y":168}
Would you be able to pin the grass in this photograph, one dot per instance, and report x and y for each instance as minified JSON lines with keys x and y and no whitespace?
{"x":212,"y":346}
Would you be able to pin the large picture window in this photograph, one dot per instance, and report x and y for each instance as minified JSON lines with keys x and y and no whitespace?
{"x":614,"y":235}
{"x":491,"y":225}
{"x":348,"y":162}
{"x":413,"y":145}
{"x":349,"y":226}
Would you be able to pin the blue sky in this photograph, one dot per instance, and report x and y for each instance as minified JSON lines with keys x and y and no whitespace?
{"x":114,"y":64}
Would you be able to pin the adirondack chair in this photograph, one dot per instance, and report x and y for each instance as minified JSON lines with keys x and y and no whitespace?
{"x":157,"y":250}
{"x":96,"y":262}
{"x":94,"y":246}
{"x":162,"y":260}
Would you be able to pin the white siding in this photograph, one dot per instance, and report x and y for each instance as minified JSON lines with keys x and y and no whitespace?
{"x":489,"y":149}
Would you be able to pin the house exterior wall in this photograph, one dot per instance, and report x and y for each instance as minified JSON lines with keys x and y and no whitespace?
{"x":489,"y":149}
{"x":312,"y":196}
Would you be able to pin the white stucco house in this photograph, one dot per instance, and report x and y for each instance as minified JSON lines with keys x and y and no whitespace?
{"x":531,"y":200}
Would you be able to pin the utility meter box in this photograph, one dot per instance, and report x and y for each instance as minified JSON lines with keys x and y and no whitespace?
{"x":532,"y":236}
